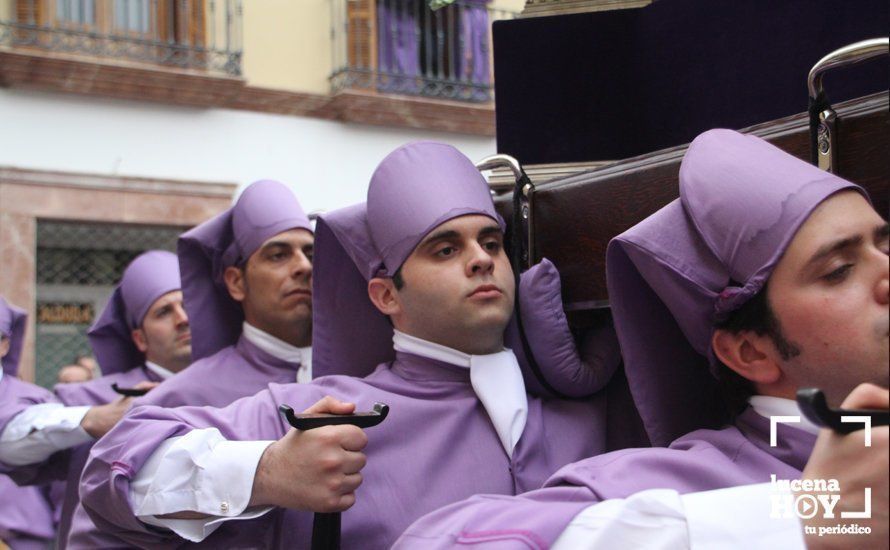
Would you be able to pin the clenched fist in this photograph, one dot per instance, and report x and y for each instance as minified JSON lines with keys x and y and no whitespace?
{"x":315,"y":470}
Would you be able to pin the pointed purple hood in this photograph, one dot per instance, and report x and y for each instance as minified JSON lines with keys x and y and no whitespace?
{"x":692,"y":263}
{"x":414,"y":189}
{"x":263,"y":210}
{"x":148,"y":277}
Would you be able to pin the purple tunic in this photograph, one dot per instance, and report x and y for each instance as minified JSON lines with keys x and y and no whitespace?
{"x":229,"y":374}
{"x":436,"y":447}
{"x":699,"y":461}
{"x":26,"y":518}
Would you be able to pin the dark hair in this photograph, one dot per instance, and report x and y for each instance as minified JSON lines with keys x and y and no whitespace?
{"x":756,"y":316}
{"x":397,"y":279}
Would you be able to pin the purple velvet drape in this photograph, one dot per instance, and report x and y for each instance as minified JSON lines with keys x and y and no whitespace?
{"x":402,"y":44}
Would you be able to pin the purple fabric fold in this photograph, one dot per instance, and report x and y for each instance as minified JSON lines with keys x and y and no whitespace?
{"x":13,"y":322}
{"x":703,"y":460}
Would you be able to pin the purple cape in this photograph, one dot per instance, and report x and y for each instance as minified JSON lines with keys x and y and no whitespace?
{"x":263,"y":210}
{"x":700,"y":461}
{"x":13,"y":322}
{"x":433,"y":406}
{"x":147,"y":278}
{"x":692,"y":263}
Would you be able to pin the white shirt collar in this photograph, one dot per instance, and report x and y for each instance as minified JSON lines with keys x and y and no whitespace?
{"x":281,"y":350}
{"x":495,"y":378}
{"x":768,"y":406}
{"x":159,"y":370}
{"x":430,"y":350}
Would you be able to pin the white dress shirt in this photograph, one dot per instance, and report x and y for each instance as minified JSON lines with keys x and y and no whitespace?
{"x":37,"y":432}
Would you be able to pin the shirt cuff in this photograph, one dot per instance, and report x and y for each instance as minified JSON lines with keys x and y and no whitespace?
{"x":751,"y":526}
{"x":36,"y":433}
{"x":203,"y":473}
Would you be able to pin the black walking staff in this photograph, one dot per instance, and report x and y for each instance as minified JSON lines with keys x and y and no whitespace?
{"x":814,"y":406}
{"x":326,"y":526}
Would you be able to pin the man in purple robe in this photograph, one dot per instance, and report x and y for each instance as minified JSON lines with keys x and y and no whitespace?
{"x":26,"y":516}
{"x":423,"y":293}
{"x":246,"y":281}
{"x":770,"y":274}
{"x":141,"y":338}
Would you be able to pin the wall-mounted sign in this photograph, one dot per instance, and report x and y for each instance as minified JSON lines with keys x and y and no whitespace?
{"x":65,"y":313}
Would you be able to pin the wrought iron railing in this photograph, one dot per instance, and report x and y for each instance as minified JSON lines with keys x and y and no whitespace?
{"x":189,"y":34}
{"x":404,"y":47}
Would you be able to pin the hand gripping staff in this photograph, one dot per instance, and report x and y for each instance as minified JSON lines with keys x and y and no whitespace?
{"x":326,"y":526}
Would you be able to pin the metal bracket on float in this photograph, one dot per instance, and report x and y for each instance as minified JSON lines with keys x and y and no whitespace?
{"x":524,"y":189}
{"x":823,"y":119}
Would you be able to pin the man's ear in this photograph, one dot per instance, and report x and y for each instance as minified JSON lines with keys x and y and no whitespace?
{"x":383,"y":295}
{"x":748,"y":354}
{"x":234,"y":279}
{"x":139,"y":340}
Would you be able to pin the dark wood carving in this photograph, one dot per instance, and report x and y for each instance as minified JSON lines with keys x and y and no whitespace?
{"x":575,"y":217}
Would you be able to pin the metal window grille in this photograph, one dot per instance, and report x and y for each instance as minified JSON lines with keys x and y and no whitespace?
{"x":191,"y":34}
{"x":403,"y":47}
{"x":78,"y":265}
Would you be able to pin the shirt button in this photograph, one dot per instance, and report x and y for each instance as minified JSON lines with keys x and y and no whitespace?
{"x":224,"y":507}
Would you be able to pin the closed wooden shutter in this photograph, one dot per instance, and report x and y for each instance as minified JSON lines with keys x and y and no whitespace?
{"x":30,"y":12}
{"x":362,"y":37}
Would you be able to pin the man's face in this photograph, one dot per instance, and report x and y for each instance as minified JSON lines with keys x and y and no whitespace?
{"x":4,"y":346}
{"x":164,"y":336}
{"x":276,"y":289}
{"x":459,"y":286}
{"x":72,"y":374}
{"x":830,"y":294}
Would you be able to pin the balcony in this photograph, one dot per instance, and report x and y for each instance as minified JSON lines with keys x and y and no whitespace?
{"x":403,"y":47}
{"x":185,"y":34}
{"x":174,"y":51}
